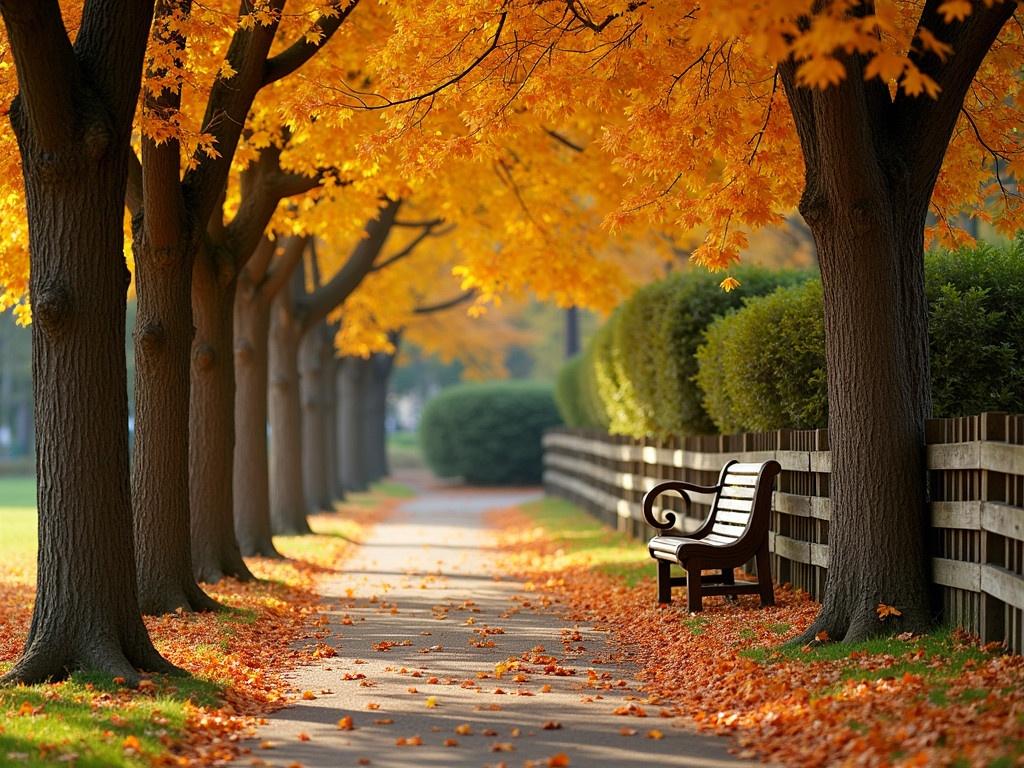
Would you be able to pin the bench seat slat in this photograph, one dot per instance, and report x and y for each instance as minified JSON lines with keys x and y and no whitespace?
{"x":747,"y":480}
{"x":725,"y":529}
{"x":746,"y":469}
{"x":736,"y":518}
{"x":737,"y":505}
{"x":737,"y":492}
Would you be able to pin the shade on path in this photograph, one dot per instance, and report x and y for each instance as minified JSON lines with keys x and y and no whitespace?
{"x":421,"y":596}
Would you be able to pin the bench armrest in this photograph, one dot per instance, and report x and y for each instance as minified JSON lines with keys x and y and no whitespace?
{"x":672,"y":485}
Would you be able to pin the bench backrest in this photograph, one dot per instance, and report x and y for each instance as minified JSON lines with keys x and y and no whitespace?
{"x":743,"y":505}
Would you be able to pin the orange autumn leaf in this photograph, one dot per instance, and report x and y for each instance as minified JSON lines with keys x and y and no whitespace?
{"x":345,"y":723}
{"x":885,"y":611}
{"x":561,"y":760}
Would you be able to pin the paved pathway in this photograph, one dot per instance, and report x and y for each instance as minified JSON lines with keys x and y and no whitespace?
{"x":424,"y":581}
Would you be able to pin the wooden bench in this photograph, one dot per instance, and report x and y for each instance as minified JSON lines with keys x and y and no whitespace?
{"x":735,"y":531}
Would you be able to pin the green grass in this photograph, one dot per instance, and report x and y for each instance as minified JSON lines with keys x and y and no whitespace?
{"x":90,"y":720}
{"x":404,"y":450}
{"x":18,"y":518}
{"x":918,"y":656}
{"x":385,"y":489}
{"x":580,"y":534}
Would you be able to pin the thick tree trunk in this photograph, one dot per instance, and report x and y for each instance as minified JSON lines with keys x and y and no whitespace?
{"x":160,"y":478}
{"x":287,"y":499}
{"x":376,"y":413}
{"x":86,"y":611}
{"x":354,"y":372}
{"x":215,"y":551}
{"x":877,"y":354}
{"x":251,"y":469}
{"x":314,"y":420}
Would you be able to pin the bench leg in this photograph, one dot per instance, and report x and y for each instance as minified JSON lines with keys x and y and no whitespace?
{"x":664,"y":582}
{"x":729,"y":577}
{"x":764,"y":577}
{"x":694,"y":603}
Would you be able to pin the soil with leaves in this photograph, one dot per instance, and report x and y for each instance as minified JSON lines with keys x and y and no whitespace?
{"x":237,"y":659}
{"x":939,"y":699}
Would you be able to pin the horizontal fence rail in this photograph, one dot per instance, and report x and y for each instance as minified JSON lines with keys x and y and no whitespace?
{"x":976,"y":471}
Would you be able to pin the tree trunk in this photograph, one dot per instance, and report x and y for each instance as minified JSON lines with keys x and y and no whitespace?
{"x":353,"y":445}
{"x":339,"y":427}
{"x":314,"y":420}
{"x":572,"y":332}
{"x":215,"y":551}
{"x":251,"y":469}
{"x":86,"y":610}
{"x":330,"y":399}
{"x":376,"y":412}
{"x":287,"y":499}
{"x":878,"y":400}
{"x":160,"y":477}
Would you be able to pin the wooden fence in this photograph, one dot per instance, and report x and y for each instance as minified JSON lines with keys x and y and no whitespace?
{"x":976,"y":468}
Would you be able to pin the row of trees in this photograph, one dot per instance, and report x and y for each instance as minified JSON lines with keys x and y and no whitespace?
{"x":233,"y":178}
{"x":528,"y":127}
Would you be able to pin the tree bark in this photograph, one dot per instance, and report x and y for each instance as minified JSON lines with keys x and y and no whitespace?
{"x":287,"y":498}
{"x":871,"y":162}
{"x":330,"y":399}
{"x":375,"y":412}
{"x":878,"y":389}
{"x":160,"y":478}
{"x":354,"y":372}
{"x":215,"y":551}
{"x":314,"y":420}
{"x":72,"y":120}
{"x":251,"y":469}
{"x":339,"y":427}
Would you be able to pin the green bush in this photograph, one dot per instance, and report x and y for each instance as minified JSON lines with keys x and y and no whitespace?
{"x":636,"y":375}
{"x":488,"y":434}
{"x":757,"y":381}
{"x":753,"y":381}
{"x":569,"y":395}
{"x":976,"y":324}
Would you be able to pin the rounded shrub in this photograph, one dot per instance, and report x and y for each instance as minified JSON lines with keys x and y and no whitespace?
{"x":976,"y":326}
{"x":488,"y":433}
{"x":753,"y":380}
{"x":642,"y":362}
{"x":763,"y":367}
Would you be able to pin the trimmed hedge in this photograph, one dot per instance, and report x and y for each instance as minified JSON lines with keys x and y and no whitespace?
{"x":752,"y":381}
{"x":490,"y":433}
{"x":636,"y":375}
{"x":976,"y":323}
{"x":756,"y":381}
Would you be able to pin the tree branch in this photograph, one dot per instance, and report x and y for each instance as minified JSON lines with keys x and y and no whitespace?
{"x":563,"y":140}
{"x":388,"y":103}
{"x":320,"y":303}
{"x":925,"y":125}
{"x":428,"y":231}
{"x":47,"y":71}
{"x":282,"y":267}
{"x":227,"y":108}
{"x":429,"y":309}
{"x":302,"y":50}
{"x":263,"y":186}
{"x":111,"y":45}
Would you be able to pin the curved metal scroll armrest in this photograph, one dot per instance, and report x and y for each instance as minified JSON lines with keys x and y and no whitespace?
{"x":672,"y":485}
